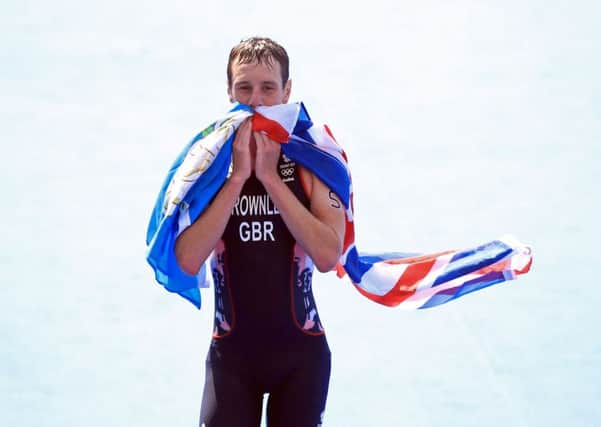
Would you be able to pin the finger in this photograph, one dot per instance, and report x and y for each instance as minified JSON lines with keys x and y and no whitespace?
{"x":260,"y":139}
{"x":243,"y":135}
{"x":265,"y":140}
{"x":270,"y":141}
{"x":259,"y":136}
{"x":246,"y":127}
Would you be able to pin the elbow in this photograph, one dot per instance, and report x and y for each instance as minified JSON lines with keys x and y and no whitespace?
{"x":185,"y":262}
{"x":187,"y":266}
{"x":327,"y":261}
{"x":328,"y":255}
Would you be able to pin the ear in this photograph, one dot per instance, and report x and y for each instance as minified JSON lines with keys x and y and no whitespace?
{"x":287,"y":91}
{"x":229,"y":94}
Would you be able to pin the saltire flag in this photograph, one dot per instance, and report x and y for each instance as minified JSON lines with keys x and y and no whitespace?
{"x":409,"y":281}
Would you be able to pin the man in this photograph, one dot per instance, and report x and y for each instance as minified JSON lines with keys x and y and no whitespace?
{"x":267,"y":226}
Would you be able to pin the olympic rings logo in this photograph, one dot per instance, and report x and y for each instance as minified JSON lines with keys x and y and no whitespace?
{"x":287,"y":171}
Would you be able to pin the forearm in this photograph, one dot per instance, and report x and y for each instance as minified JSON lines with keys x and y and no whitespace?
{"x":321,"y":241}
{"x":195,"y":243}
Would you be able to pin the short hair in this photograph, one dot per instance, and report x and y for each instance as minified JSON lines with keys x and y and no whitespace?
{"x":258,"y":50}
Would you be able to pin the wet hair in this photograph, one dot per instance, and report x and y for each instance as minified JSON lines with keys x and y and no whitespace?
{"x":255,"y":50}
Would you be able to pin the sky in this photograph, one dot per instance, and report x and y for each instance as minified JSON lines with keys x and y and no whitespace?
{"x":463,"y":121}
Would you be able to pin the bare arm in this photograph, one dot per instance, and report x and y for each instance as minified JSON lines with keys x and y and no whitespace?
{"x":320,"y":230}
{"x":194,"y":245}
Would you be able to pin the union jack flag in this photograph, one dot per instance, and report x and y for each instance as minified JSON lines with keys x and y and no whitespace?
{"x":409,"y":281}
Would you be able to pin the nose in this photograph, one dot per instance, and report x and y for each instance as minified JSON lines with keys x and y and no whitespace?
{"x":255,"y":100}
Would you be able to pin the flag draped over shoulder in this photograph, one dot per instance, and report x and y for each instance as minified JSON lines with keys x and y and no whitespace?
{"x":408,"y":281}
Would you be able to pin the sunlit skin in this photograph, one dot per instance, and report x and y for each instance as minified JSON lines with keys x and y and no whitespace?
{"x":257,"y":84}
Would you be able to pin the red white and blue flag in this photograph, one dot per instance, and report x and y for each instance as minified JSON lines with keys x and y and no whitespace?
{"x":408,"y":281}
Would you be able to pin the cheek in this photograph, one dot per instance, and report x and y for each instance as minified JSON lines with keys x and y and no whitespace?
{"x":240,"y":97}
{"x":274,"y":98}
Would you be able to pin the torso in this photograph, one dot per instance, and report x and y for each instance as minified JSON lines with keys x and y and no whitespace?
{"x":264,"y":301}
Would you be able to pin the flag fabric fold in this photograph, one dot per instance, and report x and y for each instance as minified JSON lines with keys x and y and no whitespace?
{"x":409,"y":281}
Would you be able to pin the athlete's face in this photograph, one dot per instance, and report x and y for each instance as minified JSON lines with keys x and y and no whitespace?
{"x":258,"y":84}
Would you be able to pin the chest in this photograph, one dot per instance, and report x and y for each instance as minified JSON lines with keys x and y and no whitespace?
{"x":255,"y":219}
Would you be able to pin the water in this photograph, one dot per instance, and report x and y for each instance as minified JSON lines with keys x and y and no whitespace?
{"x":463,"y":121}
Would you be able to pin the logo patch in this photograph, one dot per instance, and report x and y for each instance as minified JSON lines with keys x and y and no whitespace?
{"x":287,"y":171}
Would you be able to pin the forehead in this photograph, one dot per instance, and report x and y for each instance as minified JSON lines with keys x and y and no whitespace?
{"x":256,"y":72}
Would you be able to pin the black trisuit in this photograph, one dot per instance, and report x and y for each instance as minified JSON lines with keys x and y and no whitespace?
{"x":268,"y":337}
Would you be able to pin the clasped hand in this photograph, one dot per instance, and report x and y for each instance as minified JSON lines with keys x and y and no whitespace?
{"x":254,"y":151}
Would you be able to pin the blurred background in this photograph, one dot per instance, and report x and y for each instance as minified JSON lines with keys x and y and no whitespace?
{"x":463,"y":121}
